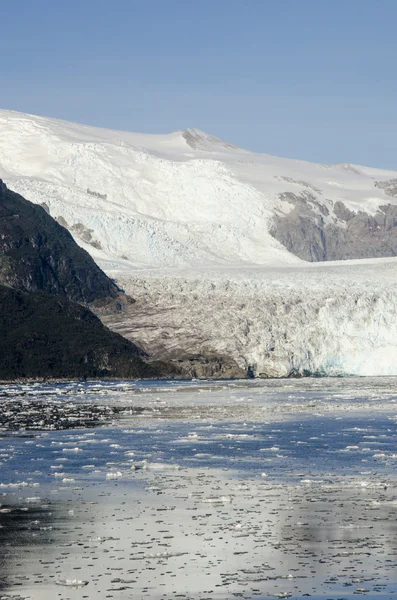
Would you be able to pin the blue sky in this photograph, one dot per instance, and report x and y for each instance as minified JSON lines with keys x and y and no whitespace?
{"x":310,"y":79}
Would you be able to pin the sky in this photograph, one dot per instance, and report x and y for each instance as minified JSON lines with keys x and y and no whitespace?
{"x":307,"y":79}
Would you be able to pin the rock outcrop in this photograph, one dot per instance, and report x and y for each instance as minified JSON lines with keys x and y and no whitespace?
{"x":311,"y":233}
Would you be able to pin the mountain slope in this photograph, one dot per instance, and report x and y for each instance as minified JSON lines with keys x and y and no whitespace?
{"x":36,"y":253}
{"x":188,"y":199}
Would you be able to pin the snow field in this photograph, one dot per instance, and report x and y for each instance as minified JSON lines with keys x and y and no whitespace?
{"x":183,"y":199}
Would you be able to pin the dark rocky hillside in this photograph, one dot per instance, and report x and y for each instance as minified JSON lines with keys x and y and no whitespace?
{"x":46,"y":336}
{"x":47,"y":285}
{"x":36,"y":253}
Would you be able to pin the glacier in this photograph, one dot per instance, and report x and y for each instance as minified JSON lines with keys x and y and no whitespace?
{"x":326,"y":318}
{"x":213,"y":242}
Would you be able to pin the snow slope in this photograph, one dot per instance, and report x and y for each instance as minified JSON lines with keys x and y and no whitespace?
{"x":172,"y":200}
{"x":183,"y":222}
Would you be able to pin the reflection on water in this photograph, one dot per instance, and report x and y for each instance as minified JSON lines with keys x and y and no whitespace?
{"x":216,"y":492}
{"x":27,"y":526}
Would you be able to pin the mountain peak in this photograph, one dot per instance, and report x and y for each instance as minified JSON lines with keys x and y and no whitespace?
{"x":200,"y":140}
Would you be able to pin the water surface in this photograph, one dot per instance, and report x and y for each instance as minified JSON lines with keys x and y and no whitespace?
{"x":203,"y":490}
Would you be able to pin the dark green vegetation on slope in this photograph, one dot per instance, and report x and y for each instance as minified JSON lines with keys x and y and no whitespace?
{"x":44,"y":332}
{"x":36,"y":253}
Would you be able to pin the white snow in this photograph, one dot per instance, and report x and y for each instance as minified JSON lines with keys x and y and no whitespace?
{"x":183,"y":199}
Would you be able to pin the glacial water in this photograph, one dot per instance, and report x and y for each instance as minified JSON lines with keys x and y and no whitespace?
{"x":199,"y":490}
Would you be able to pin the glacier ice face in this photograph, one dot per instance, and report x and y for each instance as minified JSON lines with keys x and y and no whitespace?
{"x":334,"y":319}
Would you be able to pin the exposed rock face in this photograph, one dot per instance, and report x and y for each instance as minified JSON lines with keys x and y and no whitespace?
{"x":390,"y":187}
{"x":310,"y":232}
{"x":37,"y":253}
{"x":80,"y":230}
{"x":198,"y":139}
{"x":46,"y":336}
{"x":86,"y":235}
{"x":301,"y":230}
{"x":208,"y":365}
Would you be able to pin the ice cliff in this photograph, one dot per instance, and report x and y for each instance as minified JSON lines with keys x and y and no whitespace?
{"x":335,"y":319}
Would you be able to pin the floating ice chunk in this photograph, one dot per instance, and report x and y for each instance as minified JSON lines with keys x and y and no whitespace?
{"x":219,"y":500}
{"x":157,"y":555}
{"x":239,"y":527}
{"x":102,"y":539}
{"x":160,"y":466}
{"x":114,"y":475}
{"x":72,"y":582}
{"x":18,"y":484}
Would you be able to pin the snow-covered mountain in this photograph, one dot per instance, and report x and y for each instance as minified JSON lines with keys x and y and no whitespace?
{"x":190,"y":199}
{"x":213,"y":240}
